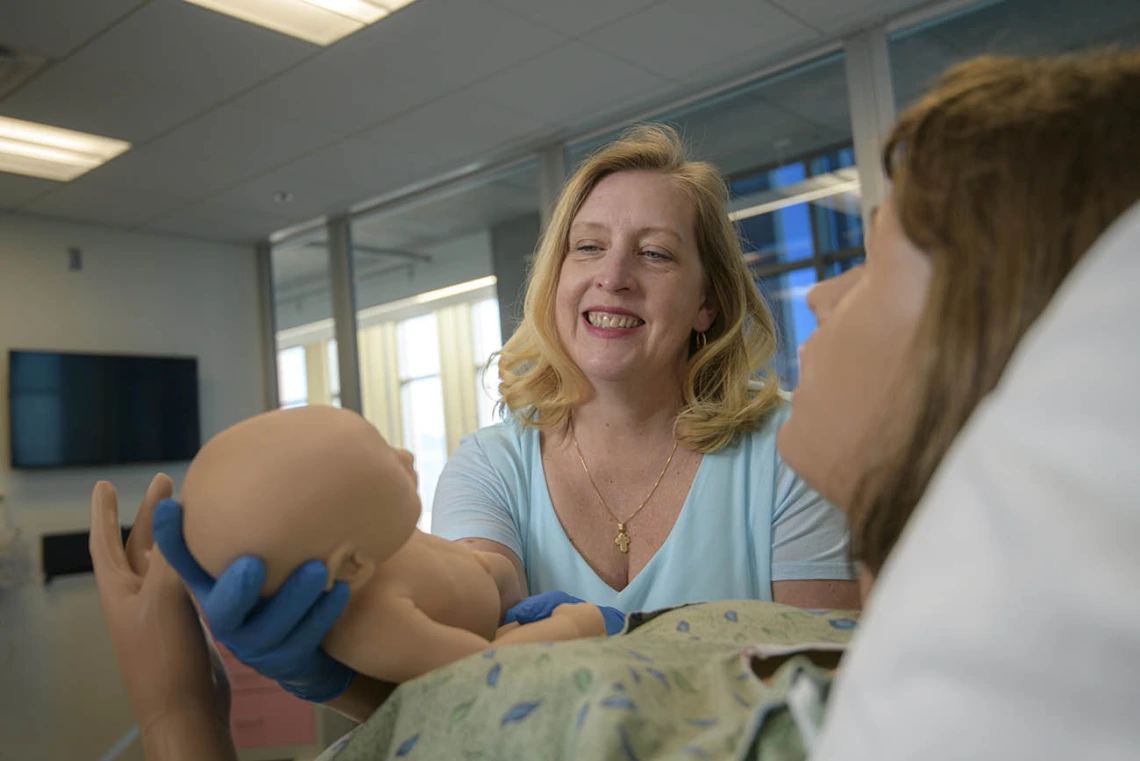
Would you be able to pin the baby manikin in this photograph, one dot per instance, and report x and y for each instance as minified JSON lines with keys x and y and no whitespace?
{"x":289,"y":486}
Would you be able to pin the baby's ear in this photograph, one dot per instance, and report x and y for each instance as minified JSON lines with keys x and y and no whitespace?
{"x":348,"y":564}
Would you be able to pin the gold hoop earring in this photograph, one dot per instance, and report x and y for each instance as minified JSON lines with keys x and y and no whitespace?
{"x":702,"y":341}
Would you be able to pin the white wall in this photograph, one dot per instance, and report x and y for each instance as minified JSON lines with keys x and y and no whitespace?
{"x":455,"y":261}
{"x":60,"y":693}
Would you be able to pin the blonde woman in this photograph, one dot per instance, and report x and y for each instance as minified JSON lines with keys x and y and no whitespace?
{"x":636,"y":467}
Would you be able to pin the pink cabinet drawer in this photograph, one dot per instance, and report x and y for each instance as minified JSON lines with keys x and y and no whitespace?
{"x":262,"y":714}
{"x":269,"y":718}
{"x":242,"y":677}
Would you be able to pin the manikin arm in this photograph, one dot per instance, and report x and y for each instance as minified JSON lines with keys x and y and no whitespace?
{"x":489,"y":547}
{"x":506,"y":578}
{"x":412,"y":644}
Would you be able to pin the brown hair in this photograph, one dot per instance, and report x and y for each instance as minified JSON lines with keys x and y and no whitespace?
{"x":1005,"y":173}
{"x":722,"y":392}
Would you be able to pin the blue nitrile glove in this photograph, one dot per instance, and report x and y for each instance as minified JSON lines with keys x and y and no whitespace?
{"x":540,"y":606}
{"x":279,"y":637}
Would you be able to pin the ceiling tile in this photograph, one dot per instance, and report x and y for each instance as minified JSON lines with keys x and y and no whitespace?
{"x":569,"y":85}
{"x":171,"y":41}
{"x":169,"y":170}
{"x":91,"y":201}
{"x":681,"y":39}
{"x":330,"y":180}
{"x":102,"y":102}
{"x":16,"y":189}
{"x":211,"y":220}
{"x":454,"y":129}
{"x":420,"y":53}
{"x":245,"y":140}
{"x":829,"y":16}
{"x":54,"y":28}
{"x":574,"y":18}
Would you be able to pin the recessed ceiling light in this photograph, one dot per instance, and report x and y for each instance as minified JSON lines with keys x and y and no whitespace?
{"x":321,"y":22}
{"x":52,"y":153}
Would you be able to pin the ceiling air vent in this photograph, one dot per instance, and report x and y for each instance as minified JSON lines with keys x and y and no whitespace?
{"x":16,"y":68}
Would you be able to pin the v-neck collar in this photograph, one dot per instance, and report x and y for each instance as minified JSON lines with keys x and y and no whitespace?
{"x":633,"y":589}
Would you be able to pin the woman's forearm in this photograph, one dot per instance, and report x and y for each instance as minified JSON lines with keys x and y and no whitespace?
{"x":363,"y":696}
{"x":196,"y":736}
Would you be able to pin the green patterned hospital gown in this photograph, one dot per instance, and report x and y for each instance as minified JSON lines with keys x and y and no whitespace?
{"x":677,"y":684}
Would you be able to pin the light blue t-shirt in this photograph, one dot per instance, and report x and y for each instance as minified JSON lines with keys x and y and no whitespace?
{"x":748,"y":520}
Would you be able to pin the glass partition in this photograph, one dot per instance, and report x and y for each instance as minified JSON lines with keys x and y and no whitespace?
{"x":427,"y":275}
{"x":921,"y":53}
{"x":307,"y":371}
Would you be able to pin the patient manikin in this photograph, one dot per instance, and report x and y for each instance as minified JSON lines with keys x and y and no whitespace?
{"x":289,"y":486}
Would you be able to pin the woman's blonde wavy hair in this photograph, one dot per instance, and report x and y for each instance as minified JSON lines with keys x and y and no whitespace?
{"x":729,"y":386}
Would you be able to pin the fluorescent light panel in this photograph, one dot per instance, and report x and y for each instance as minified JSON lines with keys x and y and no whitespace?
{"x":321,"y":22}
{"x":52,"y":153}
{"x":826,"y":186}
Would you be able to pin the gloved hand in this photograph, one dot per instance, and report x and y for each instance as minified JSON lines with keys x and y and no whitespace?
{"x":278,"y":637}
{"x":540,"y":606}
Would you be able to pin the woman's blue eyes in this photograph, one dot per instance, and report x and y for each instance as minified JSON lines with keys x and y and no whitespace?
{"x":589,"y":248}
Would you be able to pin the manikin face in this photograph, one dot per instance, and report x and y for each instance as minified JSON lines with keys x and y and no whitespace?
{"x":632,"y":289}
{"x":854,"y":386}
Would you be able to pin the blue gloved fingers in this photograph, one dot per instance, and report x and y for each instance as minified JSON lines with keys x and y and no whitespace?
{"x":318,"y":621}
{"x":279,"y":636}
{"x":537,"y":607}
{"x":281,"y":613}
{"x":322,"y":678}
{"x":167,"y":529}
{"x":235,"y":595}
{"x":331,"y":678}
{"x":614,"y":618}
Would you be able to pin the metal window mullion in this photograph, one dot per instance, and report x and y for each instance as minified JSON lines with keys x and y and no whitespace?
{"x":344,"y":311}
{"x":816,"y":253}
{"x":267,"y":324}
{"x":870,"y":95}
{"x":782,"y":268}
{"x":551,"y":176}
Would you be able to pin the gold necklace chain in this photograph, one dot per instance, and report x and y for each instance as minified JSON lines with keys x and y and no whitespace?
{"x":622,"y":539}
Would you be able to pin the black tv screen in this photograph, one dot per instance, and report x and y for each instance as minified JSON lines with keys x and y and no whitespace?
{"x":93,"y":409}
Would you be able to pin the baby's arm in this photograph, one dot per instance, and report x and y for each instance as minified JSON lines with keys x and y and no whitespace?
{"x":506,"y":578}
{"x":568,"y":621}
{"x":406,"y":643}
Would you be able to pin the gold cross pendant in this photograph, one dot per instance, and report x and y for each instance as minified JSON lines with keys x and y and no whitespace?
{"x":622,"y":539}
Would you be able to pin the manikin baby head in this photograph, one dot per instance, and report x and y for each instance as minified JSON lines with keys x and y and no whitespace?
{"x":289,"y":486}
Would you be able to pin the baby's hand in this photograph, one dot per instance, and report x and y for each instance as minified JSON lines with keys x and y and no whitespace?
{"x":586,"y":617}
{"x":540,"y":606}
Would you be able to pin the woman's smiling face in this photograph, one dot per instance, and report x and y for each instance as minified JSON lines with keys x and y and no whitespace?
{"x":631,"y":288}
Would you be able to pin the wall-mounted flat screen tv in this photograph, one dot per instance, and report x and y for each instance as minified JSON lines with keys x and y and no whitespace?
{"x":70,"y":410}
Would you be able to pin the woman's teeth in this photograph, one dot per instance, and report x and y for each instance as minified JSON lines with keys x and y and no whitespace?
{"x":606,"y":320}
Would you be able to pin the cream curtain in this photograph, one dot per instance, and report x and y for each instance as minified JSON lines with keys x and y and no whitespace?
{"x":317,"y":372}
{"x":457,"y":372}
{"x":380,"y":380}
